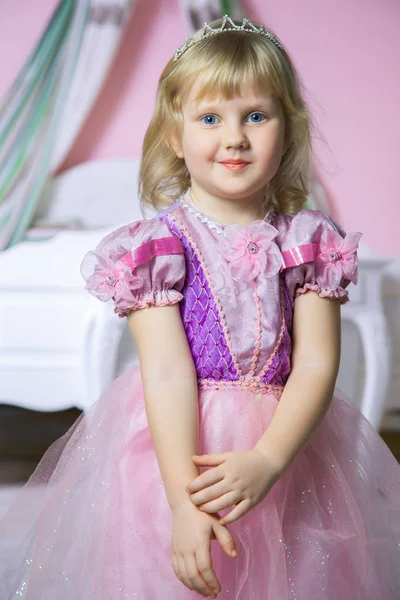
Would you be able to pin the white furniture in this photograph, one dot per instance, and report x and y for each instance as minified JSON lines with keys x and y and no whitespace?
{"x":43,"y":312}
{"x":60,"y":347}
{"x":365,"y":311}
{"x":46,"y":316}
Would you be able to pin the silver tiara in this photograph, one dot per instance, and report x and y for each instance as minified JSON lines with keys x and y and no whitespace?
{"x":227,"y":25}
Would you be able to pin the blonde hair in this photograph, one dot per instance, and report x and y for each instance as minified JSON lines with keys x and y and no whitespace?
{"x":226,"y":61}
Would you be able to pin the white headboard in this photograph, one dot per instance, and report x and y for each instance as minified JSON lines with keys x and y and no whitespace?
{"x":94,"y":194}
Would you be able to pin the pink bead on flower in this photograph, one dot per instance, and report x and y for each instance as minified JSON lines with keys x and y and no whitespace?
{"x":250,"y":250}
{"x":337,"y":258}
{"x":113,"y":280}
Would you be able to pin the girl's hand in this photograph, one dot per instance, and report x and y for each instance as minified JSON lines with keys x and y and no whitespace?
{"x":241,"y":478}
{"x":192,"y":532}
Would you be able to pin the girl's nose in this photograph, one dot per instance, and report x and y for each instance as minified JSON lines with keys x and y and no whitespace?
{"x":235,"y":138}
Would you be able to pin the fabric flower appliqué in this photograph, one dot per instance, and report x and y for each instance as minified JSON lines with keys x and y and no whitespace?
{"x":250,"y":250}
{"x":337,"y":258}
{"x":113,"y":280}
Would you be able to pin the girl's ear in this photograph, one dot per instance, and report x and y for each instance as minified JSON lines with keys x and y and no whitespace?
{"x":175,"y":144}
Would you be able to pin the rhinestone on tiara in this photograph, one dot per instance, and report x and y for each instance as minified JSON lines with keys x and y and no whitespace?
{"x":227,"y":25}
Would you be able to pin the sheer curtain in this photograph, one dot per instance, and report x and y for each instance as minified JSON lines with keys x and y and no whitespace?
{"x":49,"y":101}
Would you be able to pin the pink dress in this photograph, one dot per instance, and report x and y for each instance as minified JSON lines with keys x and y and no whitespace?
{"x":101,"y":529}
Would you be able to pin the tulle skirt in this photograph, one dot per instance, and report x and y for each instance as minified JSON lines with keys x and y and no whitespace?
{"x":93,"y":521}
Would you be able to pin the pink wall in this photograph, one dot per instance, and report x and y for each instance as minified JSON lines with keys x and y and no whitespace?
{"x":348,"y":55}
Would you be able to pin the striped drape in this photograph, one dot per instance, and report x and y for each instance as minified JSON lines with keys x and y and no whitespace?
{"x":49,"y":101}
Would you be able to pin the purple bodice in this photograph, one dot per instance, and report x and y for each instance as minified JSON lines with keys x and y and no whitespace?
{"x":212,"y":329}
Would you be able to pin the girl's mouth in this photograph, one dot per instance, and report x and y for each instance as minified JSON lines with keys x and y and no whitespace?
{"x":235,"y":165}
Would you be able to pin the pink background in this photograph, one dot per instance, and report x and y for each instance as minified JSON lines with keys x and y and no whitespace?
{"x":346,"y":51}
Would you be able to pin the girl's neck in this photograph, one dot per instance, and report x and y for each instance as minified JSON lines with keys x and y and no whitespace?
{"x":228,"y":212}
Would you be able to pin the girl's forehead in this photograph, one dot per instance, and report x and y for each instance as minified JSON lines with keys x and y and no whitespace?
{"x":199,"y":95}
{"x":204,"y":86}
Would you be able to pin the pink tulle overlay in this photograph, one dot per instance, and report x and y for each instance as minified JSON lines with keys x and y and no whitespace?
{"x":101,"y":528}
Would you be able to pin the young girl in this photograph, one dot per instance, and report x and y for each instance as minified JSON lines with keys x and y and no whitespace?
{"x":230,"y":429}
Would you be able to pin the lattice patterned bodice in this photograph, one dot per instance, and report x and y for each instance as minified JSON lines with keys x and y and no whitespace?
{"x":208,"y":329}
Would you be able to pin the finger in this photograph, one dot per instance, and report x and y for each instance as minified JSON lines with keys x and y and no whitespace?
{"x":204,"y":480}
{"x":212,"y":460}
{"x":210,"y":493}
{"x":195,"y":577}
{"x":225,"y":501}
{"x":175,"y":565}
{"x":204,"y":564}
{"x":182,"y":576}
{"x":239,"y":511}
{"x":225,"y":538}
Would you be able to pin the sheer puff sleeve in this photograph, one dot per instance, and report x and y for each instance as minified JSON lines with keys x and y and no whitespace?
{"x":318,"y":255}
{"x":137,"y":266}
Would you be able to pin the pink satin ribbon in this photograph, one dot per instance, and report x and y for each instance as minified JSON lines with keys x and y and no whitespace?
{"x":299,"y":255}
{"x":150,"y":249}
{"x":171,"y":245}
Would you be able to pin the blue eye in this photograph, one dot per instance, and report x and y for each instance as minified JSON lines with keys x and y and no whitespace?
{"x":209,"y":119}
{"x":256,"y":117}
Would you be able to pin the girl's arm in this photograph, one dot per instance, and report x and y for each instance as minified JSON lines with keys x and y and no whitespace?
{"x":171,"y":400}
{"x":170,"y":391}
{"x":244,"y":478}
{"x":309,"y":388}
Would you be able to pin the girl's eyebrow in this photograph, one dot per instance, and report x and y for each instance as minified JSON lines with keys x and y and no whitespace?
{"x":215,"y":107}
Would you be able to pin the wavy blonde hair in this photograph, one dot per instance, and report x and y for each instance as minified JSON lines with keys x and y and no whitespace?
{"x":226,"y":61}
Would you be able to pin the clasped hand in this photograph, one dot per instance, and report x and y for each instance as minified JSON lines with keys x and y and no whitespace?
{"x":237,"y":478}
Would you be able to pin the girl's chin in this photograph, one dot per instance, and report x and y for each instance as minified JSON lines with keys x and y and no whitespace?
{"x":231,"y":190}
{"x":233,"y":193}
